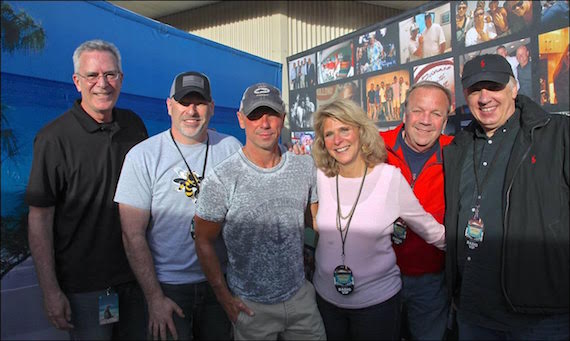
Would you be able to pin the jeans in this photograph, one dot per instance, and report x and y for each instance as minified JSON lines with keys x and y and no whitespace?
{"x":377,"y":322}
{"x":425,"y":306}
{"x":551,"y":327}
{"x":85,"y":315}
{"x":205,"y":318}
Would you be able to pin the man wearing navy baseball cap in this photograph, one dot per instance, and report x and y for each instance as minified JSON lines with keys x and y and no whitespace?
{"x":257,"y":200}
{"x":507,"y":197}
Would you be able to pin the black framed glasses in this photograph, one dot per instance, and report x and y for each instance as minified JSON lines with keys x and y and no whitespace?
{"x":92,"y":78}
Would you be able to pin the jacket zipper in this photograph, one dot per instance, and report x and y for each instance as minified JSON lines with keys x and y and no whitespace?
{"x":505,"y":220}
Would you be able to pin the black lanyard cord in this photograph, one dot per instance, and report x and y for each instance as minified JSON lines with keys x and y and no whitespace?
{"x":350,"y":214}
{"x":196,"y":180}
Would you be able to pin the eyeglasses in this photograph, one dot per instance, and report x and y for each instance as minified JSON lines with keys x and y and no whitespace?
{"x":462,"y":7}
{"x":92,"y":78}
{"x":518,"y":4}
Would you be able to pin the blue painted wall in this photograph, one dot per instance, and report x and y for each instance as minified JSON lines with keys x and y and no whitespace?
{"x":37,"y":85}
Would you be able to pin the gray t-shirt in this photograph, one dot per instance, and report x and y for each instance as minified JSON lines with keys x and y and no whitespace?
{"x":262,"y":211}
{"x":152,"y":178}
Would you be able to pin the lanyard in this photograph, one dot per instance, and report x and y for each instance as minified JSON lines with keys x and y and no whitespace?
{"x":350,"y":214}
{"x":191,"y":174}
{"x":484,"y":182}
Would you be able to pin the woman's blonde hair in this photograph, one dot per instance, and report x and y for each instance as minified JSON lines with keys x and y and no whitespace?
{"x":346,"y":111}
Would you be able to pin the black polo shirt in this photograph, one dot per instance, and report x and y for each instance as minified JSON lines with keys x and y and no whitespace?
{"x":75,"y":168}
{"x":481,"y":300}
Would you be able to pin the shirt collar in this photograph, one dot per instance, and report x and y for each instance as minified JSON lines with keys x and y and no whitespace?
{"x":86,"y":121}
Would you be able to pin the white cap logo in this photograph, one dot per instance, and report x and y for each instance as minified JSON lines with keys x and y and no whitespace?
{"x":261,"y":91}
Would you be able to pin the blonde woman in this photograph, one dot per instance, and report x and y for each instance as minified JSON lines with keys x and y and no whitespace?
{"x":360,"y":197}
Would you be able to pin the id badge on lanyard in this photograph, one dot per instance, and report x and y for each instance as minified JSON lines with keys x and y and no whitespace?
{"x":343,"y":279}
{"x":108,"y":307}
{"x":399,"y":234}
{"x":475,"y":230}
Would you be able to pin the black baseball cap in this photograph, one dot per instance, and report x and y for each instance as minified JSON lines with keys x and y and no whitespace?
{"x":487,"y":67}
{"x":261,"y":95}
{"x":192,"y":81}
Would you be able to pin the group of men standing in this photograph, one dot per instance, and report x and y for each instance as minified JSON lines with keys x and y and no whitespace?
{"x":113,"y":212}
{"x":302,"y":74}
{"x":385,"y":103}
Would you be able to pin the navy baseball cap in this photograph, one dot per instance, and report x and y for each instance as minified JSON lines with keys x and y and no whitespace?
{"x":192,"y":81}
{"x":487,"y":67}
{"x":261,"y":95}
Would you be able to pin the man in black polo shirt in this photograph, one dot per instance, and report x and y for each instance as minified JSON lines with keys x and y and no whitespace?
{"x":74,"y":227}
{"x":507,"y":198}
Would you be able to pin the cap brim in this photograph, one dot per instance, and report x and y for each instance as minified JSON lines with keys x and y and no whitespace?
{"x":497,"y":77}
{"x":270,"y":104}
{"x":180,"y":94}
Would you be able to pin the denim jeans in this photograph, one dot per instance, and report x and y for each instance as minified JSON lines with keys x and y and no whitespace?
{"x":205,"y":318}
{"x":425,"y":306}
{"x":377,"y":322}
{"x":552,"y":327}
{"x":85,"y":315}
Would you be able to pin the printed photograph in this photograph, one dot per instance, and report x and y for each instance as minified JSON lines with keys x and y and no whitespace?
{"x":554,"y":13}
{"x":108,"y":309}
{"x":376,"y":50}
{"x":301,"y":110}
{"x":517,"y":54}
{"x":302,"y":72}
{"x":335,"y":62}
{"x":349,"y":90}
{"x":385,"y":96}
{"x":304,"y":139}
{"x":440,"y":71}
{"x":554,"y":68}
{"x":520,"y":15}
{"x":481,"y":21}
{"x":426,"y":34}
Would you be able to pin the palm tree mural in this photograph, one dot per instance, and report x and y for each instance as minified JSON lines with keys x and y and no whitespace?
{"x":19,"y":33}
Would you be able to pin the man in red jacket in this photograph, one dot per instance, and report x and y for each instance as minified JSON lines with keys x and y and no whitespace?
{"x":415,"y":147}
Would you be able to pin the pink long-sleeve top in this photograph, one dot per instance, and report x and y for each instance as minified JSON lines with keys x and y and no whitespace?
{"x":386,"y":195}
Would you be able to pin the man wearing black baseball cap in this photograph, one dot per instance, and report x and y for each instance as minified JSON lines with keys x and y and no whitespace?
{"x":157,"y":192}
{"x":507,"y":197}
{"x":257,"y":198}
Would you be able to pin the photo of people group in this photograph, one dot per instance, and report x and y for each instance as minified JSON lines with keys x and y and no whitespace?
{"x":302,"y":72}
{"x":385,"y":96}
{"x":375,"y":65}
{"x":301,"y":110}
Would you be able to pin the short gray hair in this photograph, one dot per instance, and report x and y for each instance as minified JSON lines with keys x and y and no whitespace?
{"x":96,"y":45}
{"x":428,"y":84}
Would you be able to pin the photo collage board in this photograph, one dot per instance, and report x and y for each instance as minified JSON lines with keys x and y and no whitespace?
{"x":376,"y":65}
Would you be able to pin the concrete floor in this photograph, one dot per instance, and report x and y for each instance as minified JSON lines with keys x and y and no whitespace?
{"x":23,"y":317}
